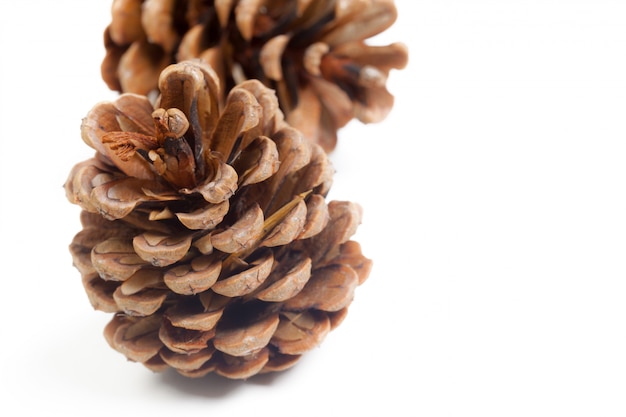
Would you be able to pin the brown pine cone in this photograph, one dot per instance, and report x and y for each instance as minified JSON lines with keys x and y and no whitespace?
{"x":206,"y":229}
{"x":313,"y":53}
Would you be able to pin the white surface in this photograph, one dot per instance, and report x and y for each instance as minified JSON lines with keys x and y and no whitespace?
{"x":495,"y":212}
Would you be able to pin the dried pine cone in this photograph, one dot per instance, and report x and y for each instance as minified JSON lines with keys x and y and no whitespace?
{"x":206,"y":230}
{"x":313,"y":53}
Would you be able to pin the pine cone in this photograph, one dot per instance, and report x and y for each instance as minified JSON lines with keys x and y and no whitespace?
{"x":313,"y":53}
{"x":206,"y":229}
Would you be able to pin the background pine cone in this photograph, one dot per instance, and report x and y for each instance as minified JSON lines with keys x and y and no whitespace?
{"x":206,"y":230}
{"x":313,"y":53}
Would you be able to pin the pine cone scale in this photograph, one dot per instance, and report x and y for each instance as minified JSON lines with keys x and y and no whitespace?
{"x":248,"y":339}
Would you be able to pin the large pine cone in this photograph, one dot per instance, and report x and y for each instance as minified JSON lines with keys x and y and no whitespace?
{"x":313,"y":53}
{"x":206,"y":230}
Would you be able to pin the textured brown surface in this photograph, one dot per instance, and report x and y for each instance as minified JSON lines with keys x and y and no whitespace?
{"x":315,"y":54}
{"x":206,"y":229}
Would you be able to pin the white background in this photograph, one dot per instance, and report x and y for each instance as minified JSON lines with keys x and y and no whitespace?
{"x":495,"y":212}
